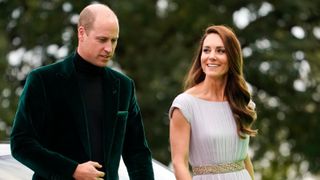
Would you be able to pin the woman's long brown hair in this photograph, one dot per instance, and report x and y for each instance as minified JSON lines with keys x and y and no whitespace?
{"x":237,"y":91}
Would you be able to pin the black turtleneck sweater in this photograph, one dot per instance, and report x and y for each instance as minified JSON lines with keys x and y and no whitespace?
{"x":90,"y":81}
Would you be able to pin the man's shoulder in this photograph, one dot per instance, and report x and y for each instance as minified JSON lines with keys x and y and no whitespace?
{"x":52,"y":68}
{"x":47,"y":68}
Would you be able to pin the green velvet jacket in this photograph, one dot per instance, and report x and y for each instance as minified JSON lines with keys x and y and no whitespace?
{"x":50,"y":133}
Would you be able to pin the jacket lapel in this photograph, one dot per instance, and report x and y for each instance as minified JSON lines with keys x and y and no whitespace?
{"x":76,"y":102}
{"x":111,"y":87}
{"x":111,"y":96}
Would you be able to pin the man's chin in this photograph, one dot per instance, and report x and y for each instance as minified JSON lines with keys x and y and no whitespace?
{"x":103,"y":63}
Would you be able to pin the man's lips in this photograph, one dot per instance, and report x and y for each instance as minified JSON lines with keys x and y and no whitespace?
{"x":105,"y":56}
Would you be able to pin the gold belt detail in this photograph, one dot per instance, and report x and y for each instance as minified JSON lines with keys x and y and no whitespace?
{"x":218,"y":168}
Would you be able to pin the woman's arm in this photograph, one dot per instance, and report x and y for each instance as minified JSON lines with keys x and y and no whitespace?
{"x":249,"y":166}
{"x":179,"y":142}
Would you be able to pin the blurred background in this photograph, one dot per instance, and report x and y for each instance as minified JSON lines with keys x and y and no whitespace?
{"x":281,"y":48}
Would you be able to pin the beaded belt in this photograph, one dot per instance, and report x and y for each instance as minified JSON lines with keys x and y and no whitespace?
{"x":218,"y":168}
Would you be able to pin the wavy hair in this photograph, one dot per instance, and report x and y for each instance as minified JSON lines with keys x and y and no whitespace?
{"x":237,"y":92}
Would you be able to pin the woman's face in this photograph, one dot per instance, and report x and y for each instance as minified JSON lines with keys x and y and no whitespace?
{"x":214,"y":61}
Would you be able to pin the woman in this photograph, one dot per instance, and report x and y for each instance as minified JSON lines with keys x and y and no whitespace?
{"x":211,"y":120}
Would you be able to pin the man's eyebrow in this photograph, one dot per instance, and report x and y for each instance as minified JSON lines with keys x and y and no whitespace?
{"x":101,"y":37}
{"x":105,"y":37}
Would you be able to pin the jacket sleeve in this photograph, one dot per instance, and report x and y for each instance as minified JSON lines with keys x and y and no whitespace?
{"x":28,"y":128}
{"x":136,"y":153}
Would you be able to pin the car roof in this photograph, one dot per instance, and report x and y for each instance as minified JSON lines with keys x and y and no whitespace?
{"x":14,"y":170}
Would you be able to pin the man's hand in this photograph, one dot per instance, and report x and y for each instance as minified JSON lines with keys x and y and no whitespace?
{"x":88,"y":171}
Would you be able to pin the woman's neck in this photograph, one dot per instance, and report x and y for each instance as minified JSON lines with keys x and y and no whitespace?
{"x":210,"y":89}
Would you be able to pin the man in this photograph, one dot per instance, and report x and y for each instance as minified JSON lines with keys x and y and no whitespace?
{"x":77,"y":117}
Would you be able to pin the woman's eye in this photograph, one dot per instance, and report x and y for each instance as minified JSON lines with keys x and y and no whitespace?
{"x":206,"y":50}
{"x":221,"y":51}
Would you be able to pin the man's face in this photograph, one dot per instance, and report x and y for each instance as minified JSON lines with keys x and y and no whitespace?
{"x":97,"y":45}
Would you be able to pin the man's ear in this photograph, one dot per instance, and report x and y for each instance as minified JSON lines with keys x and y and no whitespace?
{"x":81,"y":33}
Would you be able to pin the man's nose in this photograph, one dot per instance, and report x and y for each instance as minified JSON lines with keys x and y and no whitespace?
{"x":108,"y":46}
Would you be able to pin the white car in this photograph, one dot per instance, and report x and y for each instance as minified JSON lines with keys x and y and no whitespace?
{"x":11,"y":169}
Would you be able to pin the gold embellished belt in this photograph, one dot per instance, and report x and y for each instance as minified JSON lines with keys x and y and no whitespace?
{"x":218,"y":168}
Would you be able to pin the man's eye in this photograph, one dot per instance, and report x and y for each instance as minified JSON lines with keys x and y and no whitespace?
{"x":102,"y":40}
